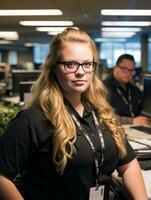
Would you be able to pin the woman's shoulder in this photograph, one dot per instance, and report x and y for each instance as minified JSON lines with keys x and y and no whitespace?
{"x":31,"y":122}
{"x":34,"y":112}
{"x":31,"y":116}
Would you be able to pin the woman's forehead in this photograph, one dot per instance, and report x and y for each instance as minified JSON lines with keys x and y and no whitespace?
{"x":76,"y":49}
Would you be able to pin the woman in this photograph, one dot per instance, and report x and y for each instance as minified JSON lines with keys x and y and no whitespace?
{"x":67,"y":143}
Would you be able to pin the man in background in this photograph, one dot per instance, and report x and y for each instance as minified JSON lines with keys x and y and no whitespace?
{"x":124,"y":96}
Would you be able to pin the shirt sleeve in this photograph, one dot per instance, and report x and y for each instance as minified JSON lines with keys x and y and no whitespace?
{"x":15,"y":147}
{"x":129,"y":156}
{"x":125,"y":120}
{"x":21,"y":140}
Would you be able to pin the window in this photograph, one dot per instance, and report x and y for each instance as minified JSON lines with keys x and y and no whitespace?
{"x":111,"y":51}
{"x":149,"y":57}
{"x":40,"y":53}
{"x":12,"y":58}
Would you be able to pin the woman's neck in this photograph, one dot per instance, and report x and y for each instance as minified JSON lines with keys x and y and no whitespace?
{"x":76,"y":104}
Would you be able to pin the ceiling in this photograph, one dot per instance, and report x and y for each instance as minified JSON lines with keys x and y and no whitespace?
{"x":127,"y":4}
{"x":84,"y":13}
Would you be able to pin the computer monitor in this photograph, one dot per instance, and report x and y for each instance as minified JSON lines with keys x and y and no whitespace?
{"x":22,"y":75}
{"x":2,"y":75}
{"x":147,"y":95}
{"x":25,"y":90}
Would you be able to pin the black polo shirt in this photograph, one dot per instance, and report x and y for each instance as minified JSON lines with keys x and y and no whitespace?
{"x":26,"y":150}
{"x":116,"y":100}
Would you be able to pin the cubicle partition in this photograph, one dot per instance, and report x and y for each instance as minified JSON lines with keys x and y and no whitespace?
{"x":23,"y":76}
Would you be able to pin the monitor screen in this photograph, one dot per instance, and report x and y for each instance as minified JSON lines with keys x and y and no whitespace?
{"x":25,"y":90}
{"x":147,"y":95}
{"x":22,"y":75}
{"x":2,"y":75}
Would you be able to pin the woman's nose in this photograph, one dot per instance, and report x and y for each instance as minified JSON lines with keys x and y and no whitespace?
{"x":80,"y":70}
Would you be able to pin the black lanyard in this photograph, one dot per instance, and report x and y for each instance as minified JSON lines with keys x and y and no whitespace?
{"x":127,"y":102}
{"x":82,"y":130}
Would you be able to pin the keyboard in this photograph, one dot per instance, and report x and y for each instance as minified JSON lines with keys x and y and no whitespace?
{"x":144,"y":129}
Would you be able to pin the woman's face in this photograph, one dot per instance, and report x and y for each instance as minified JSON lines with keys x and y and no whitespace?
{"x":74,"y":82}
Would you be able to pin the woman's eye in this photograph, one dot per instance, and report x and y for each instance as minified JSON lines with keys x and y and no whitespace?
{"x":70,"y":65}
{"x":87,"y":65}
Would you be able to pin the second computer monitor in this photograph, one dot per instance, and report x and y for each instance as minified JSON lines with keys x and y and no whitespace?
{"x":147,"y":95}
{"x":21,"y":76}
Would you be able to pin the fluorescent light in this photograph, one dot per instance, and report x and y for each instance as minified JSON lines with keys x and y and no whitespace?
{"x":31,"y":12}
{"x":120,"y":29}
{"x":46,"y":23}
{"x":9,"y":35}
{"x":52,"y":29}
{"x":118,"y":34}
{"x":53,"y":32}
{"x":36,"y":44}
{"x":46,"y":29}
{"x":5,"y":42}
{"x":126,"y":12}
{"x":41,"y":45}
{"x":109,"y":39}
{"x":126,"y":23}
{"x":28,"y":44}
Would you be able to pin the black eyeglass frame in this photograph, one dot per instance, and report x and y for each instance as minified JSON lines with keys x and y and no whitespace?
{"x":64,"y":63}
{"x":124,"y":69}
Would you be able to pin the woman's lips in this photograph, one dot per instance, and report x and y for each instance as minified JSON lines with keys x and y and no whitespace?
{"x":79,"y":82}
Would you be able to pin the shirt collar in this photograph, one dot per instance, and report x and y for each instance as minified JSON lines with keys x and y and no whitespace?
{"x":117,"y":84}
{"x":87,"y":109}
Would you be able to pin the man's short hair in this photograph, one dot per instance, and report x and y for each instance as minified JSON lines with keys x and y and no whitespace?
{"x":125,"y":56}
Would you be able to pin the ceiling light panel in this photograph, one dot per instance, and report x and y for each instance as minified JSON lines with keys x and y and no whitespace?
{"x":126,"y":12}
{"x":53,"y":32}
{"x":10,"y":35}
{"x":118,"y":34}
{"x":126,"y":23}
{"x":109,"y":39}
{"x":120,"y":29}
{"x":31,"y":12}
{"x":5,"y":42}
{"x":46,"y":23}
{"x":45,"y":29}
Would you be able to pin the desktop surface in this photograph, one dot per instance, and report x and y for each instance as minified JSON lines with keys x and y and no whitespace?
{"x":135,"y":133}
{"x":11,"y":99}
{"x":144,"y":129}
{"x":141,"y":143}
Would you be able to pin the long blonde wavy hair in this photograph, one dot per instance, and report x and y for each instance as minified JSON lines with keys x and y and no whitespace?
{"x":50,"y":97}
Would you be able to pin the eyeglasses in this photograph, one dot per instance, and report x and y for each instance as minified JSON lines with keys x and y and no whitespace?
{"x":72,"y":66}
{"x":126,"y":70}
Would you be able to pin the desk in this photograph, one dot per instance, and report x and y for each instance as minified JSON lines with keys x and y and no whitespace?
{"x":135,"y":135}
{"x":141,"y":143}
{"x":13,"y":99}
{"x":147,"y":180}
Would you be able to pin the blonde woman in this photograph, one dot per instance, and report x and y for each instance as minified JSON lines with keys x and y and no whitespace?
{"x":67,"y":142}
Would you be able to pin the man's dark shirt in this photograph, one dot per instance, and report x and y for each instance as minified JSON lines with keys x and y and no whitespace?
{"x":116,"y":99}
